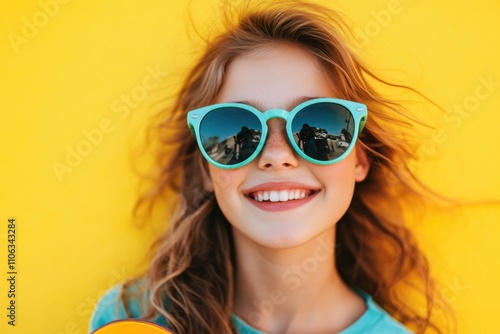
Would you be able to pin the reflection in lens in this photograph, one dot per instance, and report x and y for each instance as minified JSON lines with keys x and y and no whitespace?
{"x":323,"y":131}
{"x":230,"y":135}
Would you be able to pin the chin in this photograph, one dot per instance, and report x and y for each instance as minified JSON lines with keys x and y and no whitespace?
{"x":283,"y":240}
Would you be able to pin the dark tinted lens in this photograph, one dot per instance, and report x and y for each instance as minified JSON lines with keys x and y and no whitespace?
{"x":230,"y":135}
{"x":323,"y":131}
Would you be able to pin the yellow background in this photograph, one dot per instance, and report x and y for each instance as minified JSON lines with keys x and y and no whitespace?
{"x":70,"y":74}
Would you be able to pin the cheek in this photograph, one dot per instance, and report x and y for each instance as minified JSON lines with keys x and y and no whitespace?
{"x":221,"y":178}
{"x":340,"y":177}
{"x":226,"y":184}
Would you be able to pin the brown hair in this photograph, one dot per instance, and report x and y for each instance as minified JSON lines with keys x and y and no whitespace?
{"x":190,"y":279}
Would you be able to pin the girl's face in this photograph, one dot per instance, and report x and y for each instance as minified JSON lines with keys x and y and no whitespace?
{"x":282,"y":76}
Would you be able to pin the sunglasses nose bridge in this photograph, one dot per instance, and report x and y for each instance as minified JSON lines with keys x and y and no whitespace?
{"x":275,"y":113}
{"x":277,"y":128}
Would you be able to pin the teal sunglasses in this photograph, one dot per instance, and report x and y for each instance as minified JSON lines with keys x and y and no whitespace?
{"x":322,"y":130}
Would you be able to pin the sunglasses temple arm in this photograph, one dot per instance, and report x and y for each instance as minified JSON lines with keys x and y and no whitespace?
{"x":362,"y":123}
{"x":191,"y":128}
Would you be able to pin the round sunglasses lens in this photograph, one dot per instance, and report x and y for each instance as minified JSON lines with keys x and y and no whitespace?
{"x":230,"y":135}
{"x":323,"y":131}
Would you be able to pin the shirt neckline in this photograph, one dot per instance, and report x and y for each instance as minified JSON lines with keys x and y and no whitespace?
{"x":372,"y":314}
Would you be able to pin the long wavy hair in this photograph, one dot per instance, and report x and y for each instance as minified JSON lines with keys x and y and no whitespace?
{"x":190,"y":280}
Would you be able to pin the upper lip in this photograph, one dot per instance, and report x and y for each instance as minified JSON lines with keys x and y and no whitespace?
{"x":277,"y":186}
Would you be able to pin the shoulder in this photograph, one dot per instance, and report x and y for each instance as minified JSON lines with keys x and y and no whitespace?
{"x":110,"y":308}
{"x":375,"y":320}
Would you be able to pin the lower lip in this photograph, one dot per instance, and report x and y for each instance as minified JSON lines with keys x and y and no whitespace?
{"x":282,"y":206}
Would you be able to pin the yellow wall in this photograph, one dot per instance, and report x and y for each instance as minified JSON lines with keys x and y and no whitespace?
{"x":67,"y":68}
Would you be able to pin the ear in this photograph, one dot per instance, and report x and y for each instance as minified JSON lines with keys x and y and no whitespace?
{"x":362,"y":163}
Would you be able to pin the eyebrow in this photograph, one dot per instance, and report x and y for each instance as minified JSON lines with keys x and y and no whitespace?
{"x":291,"y":104}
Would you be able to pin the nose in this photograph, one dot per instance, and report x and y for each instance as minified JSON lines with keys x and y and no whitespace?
{"x":277,"y":152}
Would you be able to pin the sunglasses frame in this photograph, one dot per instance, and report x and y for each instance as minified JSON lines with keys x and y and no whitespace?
{"x":358,"y":112}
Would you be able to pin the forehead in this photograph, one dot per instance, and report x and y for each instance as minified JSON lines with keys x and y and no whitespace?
{"x":274,"y":77}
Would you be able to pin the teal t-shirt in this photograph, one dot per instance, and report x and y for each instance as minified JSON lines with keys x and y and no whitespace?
{"x":374,"y":321}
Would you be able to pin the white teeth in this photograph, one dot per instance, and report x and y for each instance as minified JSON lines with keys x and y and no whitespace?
{"x":280,"y":196}
{"x":283,"y":195}
{"x":274,"y":196}
{"x":265,"y":196}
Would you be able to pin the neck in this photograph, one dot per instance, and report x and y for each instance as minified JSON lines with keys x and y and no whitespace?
{"x":275,"y":289}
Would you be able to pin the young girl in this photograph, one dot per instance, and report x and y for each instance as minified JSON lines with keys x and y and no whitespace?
{"x":290,"y":173}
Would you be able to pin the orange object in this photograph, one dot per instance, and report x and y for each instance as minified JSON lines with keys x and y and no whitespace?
{"x":132,"y":327}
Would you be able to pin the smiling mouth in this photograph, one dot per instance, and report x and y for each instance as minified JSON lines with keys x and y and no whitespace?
{"x":280,"y":195}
